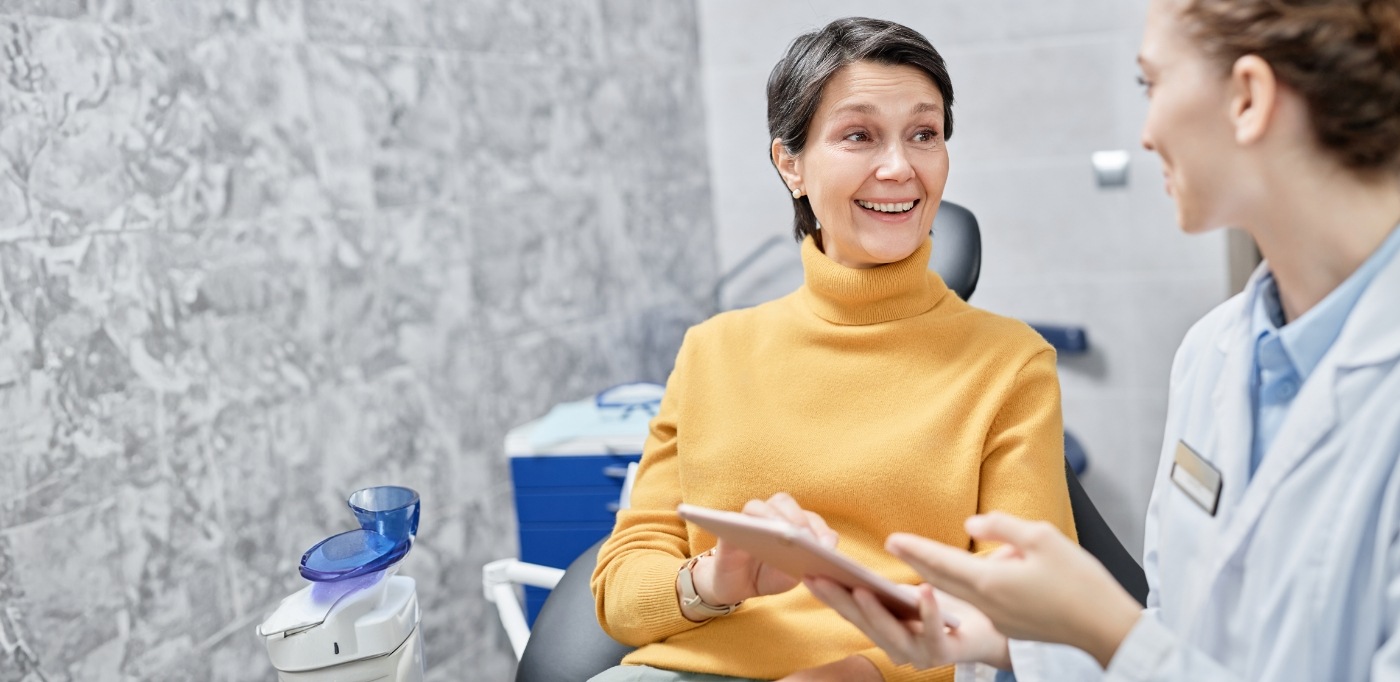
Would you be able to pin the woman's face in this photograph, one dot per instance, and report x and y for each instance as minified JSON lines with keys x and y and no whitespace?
{"x":1188,"y":121}
{"x":875,"y":163}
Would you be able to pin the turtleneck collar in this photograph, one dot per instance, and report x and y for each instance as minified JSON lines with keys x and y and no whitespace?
{"x":851,"y":296}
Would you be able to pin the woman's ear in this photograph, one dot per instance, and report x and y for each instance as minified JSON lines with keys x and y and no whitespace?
{"x":787,"y":165}
{"x":1254,"y":98}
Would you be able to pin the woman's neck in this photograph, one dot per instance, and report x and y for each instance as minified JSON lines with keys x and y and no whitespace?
{"x":1315,"y":231}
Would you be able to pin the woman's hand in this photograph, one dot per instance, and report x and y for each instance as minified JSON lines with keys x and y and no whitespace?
{"x":925,"y":643}
{"x":849,"y":669}
{"x":733,"y":575}
{"x":1039,"y":586}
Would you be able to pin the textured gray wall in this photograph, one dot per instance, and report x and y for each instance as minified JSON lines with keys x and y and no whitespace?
{"x":255,"y":254}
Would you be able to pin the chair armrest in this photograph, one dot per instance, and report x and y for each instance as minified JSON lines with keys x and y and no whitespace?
{"x":498,"y":581}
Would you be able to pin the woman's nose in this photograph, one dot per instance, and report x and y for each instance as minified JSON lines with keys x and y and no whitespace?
{"x":1147,"y":140}
{"x":894,"y":164}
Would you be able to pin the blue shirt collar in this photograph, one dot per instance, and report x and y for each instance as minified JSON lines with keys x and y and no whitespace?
{"x":1307,"y":339}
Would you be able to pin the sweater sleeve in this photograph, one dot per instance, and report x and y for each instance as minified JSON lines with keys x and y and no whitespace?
{"x":634,"y":583}
{"x":893,"y":672}
{"x":1023,"y":460}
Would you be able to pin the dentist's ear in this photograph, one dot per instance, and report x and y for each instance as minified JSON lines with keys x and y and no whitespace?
{"x":1254,"y":98}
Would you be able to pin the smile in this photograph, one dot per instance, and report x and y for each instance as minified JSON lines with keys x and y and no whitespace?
{"x":888,"y":208}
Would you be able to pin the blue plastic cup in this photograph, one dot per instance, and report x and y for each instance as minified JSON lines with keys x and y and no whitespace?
{"x":351,"y":554}
{"x":390,"y":510}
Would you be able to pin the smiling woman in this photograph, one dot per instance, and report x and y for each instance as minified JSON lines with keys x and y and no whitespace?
{"x":872,"y":396}
{"x":875,"y":101}
{"x":875,"y":169}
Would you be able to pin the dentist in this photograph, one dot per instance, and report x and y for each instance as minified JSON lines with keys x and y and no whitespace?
{"x":1273,"y":531}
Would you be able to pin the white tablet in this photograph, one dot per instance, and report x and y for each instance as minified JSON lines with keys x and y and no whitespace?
{"x":796,"y":553}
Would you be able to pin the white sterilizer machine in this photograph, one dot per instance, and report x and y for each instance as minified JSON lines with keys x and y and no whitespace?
{"x":357,"y":621}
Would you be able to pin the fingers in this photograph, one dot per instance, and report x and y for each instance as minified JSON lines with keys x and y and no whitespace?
{"x":948,"y":602}
{"x":924,"y":643}
{"x":974,"y":637}
{"x":931,"y":613}
{"x":788,"y":510}
{"x":844,"y":603}
{"x":782,"y":506}
{"x":824,"y":533}
{"x":838,"y":598}
{"x":760,"y":508}
{"x":905,"y":641}
{"x":1005,"y":552}
{"x":1019,"y":533}
{"x":949,"y":568}
{"x":728,"y":555}
{"x":877,"y":624}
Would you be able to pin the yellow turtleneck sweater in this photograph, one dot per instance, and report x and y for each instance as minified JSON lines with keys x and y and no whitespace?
{"x":879,"y":400}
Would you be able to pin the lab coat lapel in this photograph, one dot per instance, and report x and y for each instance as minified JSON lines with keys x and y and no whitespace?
{"x":1311,"y":417}
{"x":1371,"y":335}
{"x":1225,"y":435}
{"x":1232,"y":417}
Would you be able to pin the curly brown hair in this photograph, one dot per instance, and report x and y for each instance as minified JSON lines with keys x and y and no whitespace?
{"x":1342,"y":56}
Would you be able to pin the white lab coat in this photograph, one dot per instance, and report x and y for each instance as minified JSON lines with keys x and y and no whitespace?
{"x":1297,"y":576}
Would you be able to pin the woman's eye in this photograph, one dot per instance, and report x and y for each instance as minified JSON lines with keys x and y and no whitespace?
{"x":857,"y":137}
{"x":926,"y":136}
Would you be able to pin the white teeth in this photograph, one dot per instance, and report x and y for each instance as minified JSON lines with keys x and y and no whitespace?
{"x":887,"y":208}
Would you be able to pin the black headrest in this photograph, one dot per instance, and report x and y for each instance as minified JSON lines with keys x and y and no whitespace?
{"x":957,"y":248}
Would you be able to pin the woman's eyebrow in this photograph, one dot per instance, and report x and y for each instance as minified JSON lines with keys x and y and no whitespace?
{"x":926,"y":107}
{"x":870,"y":109}
{"x":856,"y":108}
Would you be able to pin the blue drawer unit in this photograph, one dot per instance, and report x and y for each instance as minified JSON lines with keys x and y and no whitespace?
{"x":566,"y":497}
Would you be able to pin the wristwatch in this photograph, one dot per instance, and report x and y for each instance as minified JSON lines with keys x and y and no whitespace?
{"x":691,"y":599}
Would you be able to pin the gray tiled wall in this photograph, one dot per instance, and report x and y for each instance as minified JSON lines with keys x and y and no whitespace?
{"x":255,"y":254}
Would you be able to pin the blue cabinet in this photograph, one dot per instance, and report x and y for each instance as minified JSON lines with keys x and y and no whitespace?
{"x":565,"y":498}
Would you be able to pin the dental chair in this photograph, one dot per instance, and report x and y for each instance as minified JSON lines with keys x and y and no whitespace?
{"x":568,"y":645}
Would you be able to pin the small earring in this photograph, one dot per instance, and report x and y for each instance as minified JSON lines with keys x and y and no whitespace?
{"x":796,"y":193}
{"x":818,"y":227}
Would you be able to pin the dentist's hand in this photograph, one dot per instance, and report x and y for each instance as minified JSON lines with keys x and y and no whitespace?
{"x":926,"y":642}
{"x":1039,"y":586}
{"x":732,"y":574}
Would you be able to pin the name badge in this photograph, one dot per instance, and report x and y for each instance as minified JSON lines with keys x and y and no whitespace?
{"x":1196,"y":477}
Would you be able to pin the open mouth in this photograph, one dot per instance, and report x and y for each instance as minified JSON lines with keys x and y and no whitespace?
{"x":895,"y":208}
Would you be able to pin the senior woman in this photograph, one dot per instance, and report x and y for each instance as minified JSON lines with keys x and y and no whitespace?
{"x":872,"y":394}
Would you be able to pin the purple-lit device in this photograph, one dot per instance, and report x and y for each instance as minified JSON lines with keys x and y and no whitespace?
{"x":357,"y":621}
